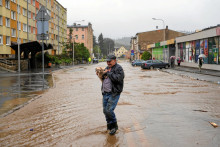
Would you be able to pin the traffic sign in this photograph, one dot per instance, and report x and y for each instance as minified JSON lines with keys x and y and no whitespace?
{"x":132,"y":51}
{"x":42,"y":36}
{"x":132,"y":54}
{"x":42,"y":14}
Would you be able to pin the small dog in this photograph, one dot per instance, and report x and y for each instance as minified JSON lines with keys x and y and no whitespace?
{"x":100,"y":72}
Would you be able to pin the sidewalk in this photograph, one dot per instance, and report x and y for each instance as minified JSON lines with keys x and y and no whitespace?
{"x":196,"y":70}
{"x":204,"y":66}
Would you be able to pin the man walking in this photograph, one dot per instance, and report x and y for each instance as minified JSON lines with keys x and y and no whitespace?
{"x":112,"y":86}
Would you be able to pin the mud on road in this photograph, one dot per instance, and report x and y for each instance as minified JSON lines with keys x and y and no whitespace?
{"x":155,"y":109}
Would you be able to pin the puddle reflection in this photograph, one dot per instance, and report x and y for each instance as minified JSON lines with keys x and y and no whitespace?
{"x":16,"y":90}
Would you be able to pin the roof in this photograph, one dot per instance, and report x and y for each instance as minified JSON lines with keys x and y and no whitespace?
{"x":31,"y":46}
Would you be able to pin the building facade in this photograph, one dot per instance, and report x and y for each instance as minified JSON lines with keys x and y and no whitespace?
{"x":206,"y":42}
{"x":120,"y":52}
{"x":82,"y":34}
{"x":18,"y":17}
{"x":146,"y":38}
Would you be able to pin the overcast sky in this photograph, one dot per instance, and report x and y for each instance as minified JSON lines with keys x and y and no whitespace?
{"x":124,"y":18}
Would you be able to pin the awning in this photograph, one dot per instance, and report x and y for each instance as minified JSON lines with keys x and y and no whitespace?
{"x":34,"y":46}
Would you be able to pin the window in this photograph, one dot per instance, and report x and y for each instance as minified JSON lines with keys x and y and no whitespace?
{"x":13,"y":32}
{"x":1,"y":39}
{"x":29,"y":29}
{"x":13,"y":15}
{"x":24,"y":12}
{"x":0,"y":2}
{"x":34,"y":30}
{"x":29,"y":1}
{"x":76,"y":29}
{"x":24,"y":27}
{"x":29,"y":14}
{"x":13,"y":1}
{"x":1,"y":20}
{"x":57,"y":27}
{"x":18,"y":9}
{"x":82,"y":29}
{"x":33,"y":2}
{"x":7,"y":22}
{"x":76,"y":37}
{"x":82,"y":36}
{"x":7,"y":40}
{"x":19,"y":25}
{"x":7,"y":4}
{"x":33,"y":16}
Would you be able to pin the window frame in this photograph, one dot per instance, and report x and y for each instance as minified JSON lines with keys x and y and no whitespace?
{"x":13,"y":15}
{"x":7,"y":4}
{"x":8,"y":41}
{"x":7,"y":22}
{"x":1,"y":20}
{"x":1,"y":39}
{"x":13,"y":32}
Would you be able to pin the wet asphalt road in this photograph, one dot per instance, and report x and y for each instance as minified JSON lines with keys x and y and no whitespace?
{"x":155,"y":109}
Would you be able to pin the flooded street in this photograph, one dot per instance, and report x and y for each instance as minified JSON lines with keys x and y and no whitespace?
{"x":16,"y":90}
{"x":155,"y":109}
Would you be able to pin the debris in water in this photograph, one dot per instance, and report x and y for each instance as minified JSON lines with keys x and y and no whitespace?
{"x":31,"y":129}
{"x":213,"y":124}
{"x":200,"y":110}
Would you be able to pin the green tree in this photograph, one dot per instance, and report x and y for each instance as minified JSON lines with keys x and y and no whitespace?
{"x":108,"y":46}
{"x":81,"y":52}
{"x":101,"y":42}
{"x":146,"y":55}
{"x":97,"y":51}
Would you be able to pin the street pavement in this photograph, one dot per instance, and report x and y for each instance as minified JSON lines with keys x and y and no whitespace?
{"x":156,"y":108}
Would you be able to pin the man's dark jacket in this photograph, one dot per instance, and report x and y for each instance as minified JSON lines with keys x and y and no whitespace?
{"x":116,"y":76}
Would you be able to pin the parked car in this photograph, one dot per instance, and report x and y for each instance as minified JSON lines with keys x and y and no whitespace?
{"x":151,"y":64}
{"x":137,"y":62}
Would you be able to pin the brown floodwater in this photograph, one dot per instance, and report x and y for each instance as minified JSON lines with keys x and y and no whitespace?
{"x":155,"y":109}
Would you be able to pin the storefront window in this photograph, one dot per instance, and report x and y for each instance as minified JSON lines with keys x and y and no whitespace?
{"x":218,"y":50}
{"x":213,"y":50}
{"x":197,"y":50}
{"x":184,"y":52}
{"x":206,"y":51}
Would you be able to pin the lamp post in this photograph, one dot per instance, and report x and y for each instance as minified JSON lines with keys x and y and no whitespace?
{"x":163,"y":30}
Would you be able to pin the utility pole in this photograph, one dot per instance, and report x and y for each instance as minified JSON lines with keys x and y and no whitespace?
{"x":58,"y":29}
{"x":73,"y":50}
{"x":18,"y":40}
{"x":27,"y":23}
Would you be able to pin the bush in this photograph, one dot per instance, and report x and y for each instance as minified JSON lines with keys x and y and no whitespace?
{"x":146,"y":56}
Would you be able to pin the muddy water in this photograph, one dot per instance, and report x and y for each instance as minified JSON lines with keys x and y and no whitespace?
{"x":16,"y":90}
{"x":155,"y":109}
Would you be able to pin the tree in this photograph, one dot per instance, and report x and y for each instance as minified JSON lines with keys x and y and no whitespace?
{"x":146,"y":55}
{"x":109,"y":45}
{"x":97,"y":51}
{"x":101,"y":42}
{"x":81,"y":52}
{"x":94,"y":41}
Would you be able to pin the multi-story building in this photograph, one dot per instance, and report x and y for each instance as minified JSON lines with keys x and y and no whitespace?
{"x":143,"y":39}
{"x":82,"y":34}
{"x":17,"y":17}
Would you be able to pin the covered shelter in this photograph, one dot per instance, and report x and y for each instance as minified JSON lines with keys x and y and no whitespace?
{"x":30,"y":47}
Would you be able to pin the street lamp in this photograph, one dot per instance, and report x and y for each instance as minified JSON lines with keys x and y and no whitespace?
{"x":163,"y":28}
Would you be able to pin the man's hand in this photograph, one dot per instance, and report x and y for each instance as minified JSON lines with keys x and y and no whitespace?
{"x":106,"y":70}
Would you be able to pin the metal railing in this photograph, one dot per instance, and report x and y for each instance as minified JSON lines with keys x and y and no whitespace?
{"x":6,"y":63}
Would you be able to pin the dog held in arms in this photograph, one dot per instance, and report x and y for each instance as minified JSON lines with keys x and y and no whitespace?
{"x":100,"y":72}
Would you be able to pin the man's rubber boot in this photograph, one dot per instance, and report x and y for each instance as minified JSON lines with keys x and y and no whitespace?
{"x":109,"y":126}
{"x":114,"y":128}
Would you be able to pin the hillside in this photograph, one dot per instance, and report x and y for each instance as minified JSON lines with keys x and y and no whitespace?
{"x":125,"y":41}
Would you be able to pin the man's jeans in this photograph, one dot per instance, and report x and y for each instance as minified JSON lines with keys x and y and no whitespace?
{"x":109,"y":104}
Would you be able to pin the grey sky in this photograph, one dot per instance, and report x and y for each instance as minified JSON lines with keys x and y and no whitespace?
{"x":124,"y":18}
